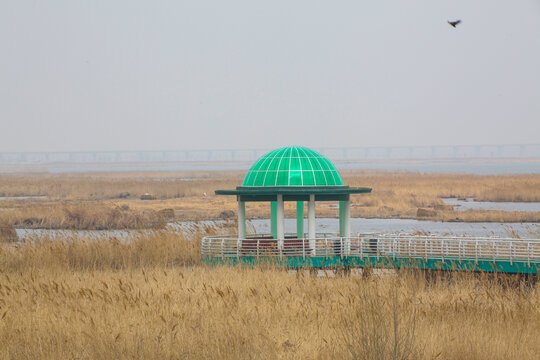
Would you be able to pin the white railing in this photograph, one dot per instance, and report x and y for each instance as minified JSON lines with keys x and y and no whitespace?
{"x":265,"y":245}
{"x":375,"y":245}
{"x":446,"y":247}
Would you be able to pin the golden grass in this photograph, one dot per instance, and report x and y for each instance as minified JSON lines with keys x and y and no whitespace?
{"x":422,"y":188}
{"x":395,"y":195}
{"x":82,"y":216}
{"x":106,"y":186}
{"x":145,"y":248}
{"x":151,"y":298}
{"x":400,"y":194}
{"x":7,"y":232}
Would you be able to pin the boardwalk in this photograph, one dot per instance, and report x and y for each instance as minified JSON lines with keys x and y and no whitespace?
{"x":379,"y":250}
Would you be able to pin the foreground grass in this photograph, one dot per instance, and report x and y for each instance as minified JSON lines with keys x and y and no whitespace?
{"x":152,"y":298}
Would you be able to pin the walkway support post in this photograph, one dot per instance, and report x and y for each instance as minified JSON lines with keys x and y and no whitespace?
{"x":280,"y":221}
{"x":241,"y":219}
{"x":300,"y":219}
{"x":273,"y":219}
{"x":311,"y":223}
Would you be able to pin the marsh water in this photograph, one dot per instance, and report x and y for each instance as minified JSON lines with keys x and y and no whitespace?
{"x":23,"y":197}
{"x":361,"y":225}
{"x":471,"y":204}
{"x":328,"y":225}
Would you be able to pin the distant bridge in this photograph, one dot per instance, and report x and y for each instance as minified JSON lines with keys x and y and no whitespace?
{"x":334,"y":153}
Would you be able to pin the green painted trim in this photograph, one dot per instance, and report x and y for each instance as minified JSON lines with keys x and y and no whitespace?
{"x":267,"y":198}
{"x":300,"y":219}
{"x":322,"y":193}
{"x":482,"y":265}
{"x":293,"y":190}
{"x":273,"y":219}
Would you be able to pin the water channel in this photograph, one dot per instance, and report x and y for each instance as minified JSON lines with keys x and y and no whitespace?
{"x":471,"y":204}
{"x":327,"y":225}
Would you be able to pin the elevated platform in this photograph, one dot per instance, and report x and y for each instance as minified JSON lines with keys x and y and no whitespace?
{"x":390,"y":251}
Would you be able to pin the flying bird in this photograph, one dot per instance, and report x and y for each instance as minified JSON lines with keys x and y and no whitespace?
{"x":454,"y":23}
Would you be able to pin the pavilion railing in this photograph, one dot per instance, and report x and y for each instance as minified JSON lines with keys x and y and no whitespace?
{"x":375,"y":245}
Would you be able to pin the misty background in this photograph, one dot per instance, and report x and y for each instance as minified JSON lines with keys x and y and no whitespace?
{"x":118,"y":75}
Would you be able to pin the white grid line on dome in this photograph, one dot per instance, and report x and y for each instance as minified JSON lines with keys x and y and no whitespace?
{"x":301,"y":170}
{"x":279,"y":165}
{"x":286,"y":171}
{"x":318,"y":158}
{"x":262,"y":159}
{"x":324,"y":165}
{"x":325,"y":178}
{"x":332,"y":172}
{"x":311,"y":163}
{"x":289,"y":173}
{"x":317,"y":170}
{"x":261,"y":162}
{"x":312,"y":168}
{"x":266,"y":171}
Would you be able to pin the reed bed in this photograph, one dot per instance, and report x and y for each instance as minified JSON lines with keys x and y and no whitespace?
{"x":117,"y":185}
{"x":420,"y":189}
{"x":151,"y":298}
{"x":92,"y":251}
{"x":82,"y":216}
{"x":191,"y":196}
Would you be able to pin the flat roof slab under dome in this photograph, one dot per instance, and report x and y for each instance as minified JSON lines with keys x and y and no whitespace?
{"x":293,"y":193}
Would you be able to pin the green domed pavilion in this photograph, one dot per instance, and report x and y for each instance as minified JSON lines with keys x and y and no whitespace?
{"x":297,"y":174}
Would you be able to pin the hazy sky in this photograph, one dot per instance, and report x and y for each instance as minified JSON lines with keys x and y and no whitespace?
{"x":151,"y":75}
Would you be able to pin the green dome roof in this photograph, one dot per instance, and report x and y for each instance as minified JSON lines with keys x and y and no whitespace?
{"x":293,"y":166}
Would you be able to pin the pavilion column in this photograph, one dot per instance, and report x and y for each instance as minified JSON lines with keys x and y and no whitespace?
{"x":311,"y":223}
{"x":273,"y":219}
{"x":280,"y":218}
{"x":300,"y":219}
{"x":345,"y":224}
{"x":241,"y":219}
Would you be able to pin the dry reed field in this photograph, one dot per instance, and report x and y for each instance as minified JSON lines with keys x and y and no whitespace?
{"x":82,"y":216}
{"x":112,"y":200}
{"x":152,"y":298}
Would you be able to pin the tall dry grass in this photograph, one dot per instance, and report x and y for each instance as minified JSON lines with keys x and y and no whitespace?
{"x":151,"y":298}
{"x":145,"y":248}
{"x":115,"y":185}
{"x":7,"y":232}
{"x":416,"y":188}
{"x":82,"y":216}
{"x":395,"y":195}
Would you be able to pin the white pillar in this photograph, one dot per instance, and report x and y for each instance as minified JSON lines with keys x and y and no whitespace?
{"x":347,"y":227}
{"x":280,"y":215}
{"x":311,"y":223}
{"x":241,"y":219}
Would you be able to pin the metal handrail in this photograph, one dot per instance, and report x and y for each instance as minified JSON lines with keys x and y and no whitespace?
{"x":375,"y":245}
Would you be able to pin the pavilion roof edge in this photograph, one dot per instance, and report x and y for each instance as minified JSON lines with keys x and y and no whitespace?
{"x":294,"y":190}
